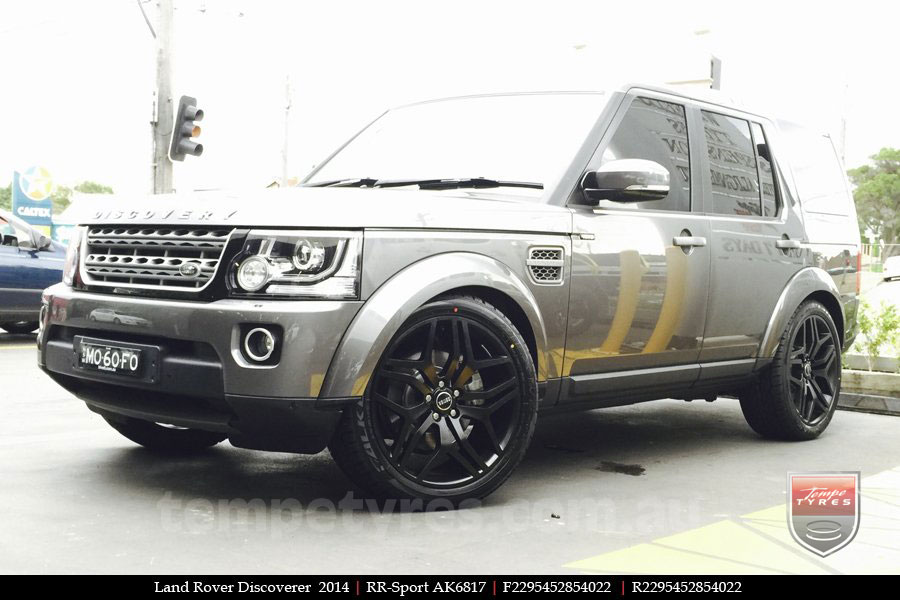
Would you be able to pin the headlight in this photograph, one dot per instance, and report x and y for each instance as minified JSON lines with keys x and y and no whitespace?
{"x":253,"y":273}
{"x":307,"y":264}
{"x":73,"y":253}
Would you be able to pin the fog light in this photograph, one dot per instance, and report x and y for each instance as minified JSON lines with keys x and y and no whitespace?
{"x":259,"y":344}
{"x":253,"y":273}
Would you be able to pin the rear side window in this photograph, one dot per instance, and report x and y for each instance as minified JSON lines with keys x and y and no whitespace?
{"x":732,"y":165}
{"x":817,"y":171}
{"x":655,"y":130}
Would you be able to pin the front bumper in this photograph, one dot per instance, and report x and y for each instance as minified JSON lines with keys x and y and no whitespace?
{"x":204,"y":382}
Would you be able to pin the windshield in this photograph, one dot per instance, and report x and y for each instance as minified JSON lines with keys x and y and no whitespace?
{"x":514,"y":138}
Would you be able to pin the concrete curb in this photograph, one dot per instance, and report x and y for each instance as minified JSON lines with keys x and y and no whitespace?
{"x":879,"y":405}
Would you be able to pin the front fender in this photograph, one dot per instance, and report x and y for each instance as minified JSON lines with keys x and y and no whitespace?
{"x":805,"y":282}
{"x":393,"y":303}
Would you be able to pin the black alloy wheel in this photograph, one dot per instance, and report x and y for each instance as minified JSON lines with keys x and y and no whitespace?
{"x":795,"y":397}
{"x":814,"y":369}
{"x":449,"y":409}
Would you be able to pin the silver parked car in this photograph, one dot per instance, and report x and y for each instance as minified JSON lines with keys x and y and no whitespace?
{"x":459,"y":267}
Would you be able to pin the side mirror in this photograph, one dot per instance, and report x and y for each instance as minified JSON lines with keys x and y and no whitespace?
{"x":43,"y":242}
{"x":626,"y":180}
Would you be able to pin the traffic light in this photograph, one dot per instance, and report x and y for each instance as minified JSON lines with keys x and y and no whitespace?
{"x":185,"y":128}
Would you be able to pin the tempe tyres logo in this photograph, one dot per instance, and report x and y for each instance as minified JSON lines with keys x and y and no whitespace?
{"x":823,"y":509}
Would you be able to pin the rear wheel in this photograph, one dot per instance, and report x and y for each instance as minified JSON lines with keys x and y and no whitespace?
{"x":20,"y":327}
{"x":796,"y":397}
{"x":449,"y":411}
{"x":165,"y":439}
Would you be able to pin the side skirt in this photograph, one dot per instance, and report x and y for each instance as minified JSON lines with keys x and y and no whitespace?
{"x":604,"y":390}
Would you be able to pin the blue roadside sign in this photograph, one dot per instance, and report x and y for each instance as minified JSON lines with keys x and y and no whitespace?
{"x":31,"y":189}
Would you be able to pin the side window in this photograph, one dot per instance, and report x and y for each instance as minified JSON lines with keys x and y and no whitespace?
{"x":13,"y":233}
{"x":732,"y":165}
{"x":655,"y":130}
{"x":767,"y":188}
{"x":817,"y":171}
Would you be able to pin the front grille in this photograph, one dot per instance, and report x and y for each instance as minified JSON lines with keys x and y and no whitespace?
{"x":153,"y":257}
{"x":545,"y":264}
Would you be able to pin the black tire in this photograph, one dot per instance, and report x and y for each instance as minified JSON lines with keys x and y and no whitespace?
{"x":20,"y":327}
{"x":412,"y":437}
{"x":162,"y":439}
{"x":795,"y":398}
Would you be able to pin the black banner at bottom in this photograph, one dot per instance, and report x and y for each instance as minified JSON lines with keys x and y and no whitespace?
{"x":471,"y":586}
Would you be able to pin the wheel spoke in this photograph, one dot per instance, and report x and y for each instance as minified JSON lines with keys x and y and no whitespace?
{"x":468,"y":355}
{"x":409,"y":380}
{"x":458,"y":457}
{"x":462,"y":440}
{"x":432,"y":462}
{"x":407,"y":364}
{"x":492,"y":362}
{"x":402,"y":439}
{"x":452,"y":363}
{"x":810,"y":401}
{"x":800,"y":399}
{"x":823,"y":364}
{"x":813,"y":334}
{"x":801,"y":338}
{"x":410,"y":413}
{"x":413,"y":442}
{"x":429,"y":370}
{"x":821,"y":399}
{"x":491,"y":392}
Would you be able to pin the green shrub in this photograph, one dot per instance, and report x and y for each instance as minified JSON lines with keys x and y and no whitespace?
{"x":878,"y":328}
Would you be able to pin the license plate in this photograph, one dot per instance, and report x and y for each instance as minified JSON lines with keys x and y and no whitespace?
{"x":110,"y":358}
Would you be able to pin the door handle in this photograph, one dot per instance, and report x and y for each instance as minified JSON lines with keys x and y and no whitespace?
{"x":689,"y":241}
{"x":787,"y":244}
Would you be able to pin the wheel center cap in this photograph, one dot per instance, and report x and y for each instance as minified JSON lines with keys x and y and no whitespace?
{"x":443,"y":400}
{"x":807,"y":369}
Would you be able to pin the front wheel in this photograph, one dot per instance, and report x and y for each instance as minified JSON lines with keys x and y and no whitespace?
{"x":450,"y":408}
{"x":165,"y":439}
{"x":796,"y":397}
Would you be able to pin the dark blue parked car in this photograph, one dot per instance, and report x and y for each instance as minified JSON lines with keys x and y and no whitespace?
{"x":29,"y":262}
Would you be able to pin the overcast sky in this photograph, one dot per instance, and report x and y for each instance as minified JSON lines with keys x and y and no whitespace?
{"x":78,"y":76}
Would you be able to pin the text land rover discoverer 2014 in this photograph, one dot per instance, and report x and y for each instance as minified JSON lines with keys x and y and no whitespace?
{"x":460,"y":266}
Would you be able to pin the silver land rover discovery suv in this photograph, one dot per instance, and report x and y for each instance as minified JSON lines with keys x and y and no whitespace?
{"x":460,"y":266}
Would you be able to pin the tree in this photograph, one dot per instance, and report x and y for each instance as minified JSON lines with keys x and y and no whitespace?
{"x":61,"y":196}
{"x":6,"y":197}
{"x":877,"y":195}
{"x":92,"y":187}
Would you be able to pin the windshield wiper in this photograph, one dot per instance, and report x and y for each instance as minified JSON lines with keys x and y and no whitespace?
{"x":357,"y":182}
{"x":429,"y":184}
{"x":470,"y":182}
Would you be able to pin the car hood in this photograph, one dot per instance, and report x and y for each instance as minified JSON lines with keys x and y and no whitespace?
{"x":408,"y":208}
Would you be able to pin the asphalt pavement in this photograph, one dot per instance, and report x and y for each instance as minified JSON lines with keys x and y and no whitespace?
{"x":665,"y":486}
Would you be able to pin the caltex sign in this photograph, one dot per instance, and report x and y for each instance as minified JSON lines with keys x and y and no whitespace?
{"x":31,"y":191}
{"x":823,"y":509}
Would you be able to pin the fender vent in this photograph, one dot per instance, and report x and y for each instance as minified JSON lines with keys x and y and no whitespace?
{"x":545,"y":264}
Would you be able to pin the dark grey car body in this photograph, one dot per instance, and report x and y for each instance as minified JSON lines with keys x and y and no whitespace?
{"x":620,"y":314}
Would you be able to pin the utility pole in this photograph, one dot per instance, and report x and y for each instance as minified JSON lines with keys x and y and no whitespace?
{"x":844,"y":111}
{"x":164,"y":114}
{"x":287,"y":116}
